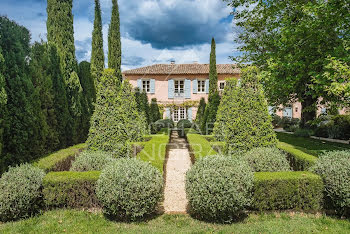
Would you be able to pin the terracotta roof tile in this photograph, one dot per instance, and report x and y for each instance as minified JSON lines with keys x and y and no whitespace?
{"x":183,"y":69}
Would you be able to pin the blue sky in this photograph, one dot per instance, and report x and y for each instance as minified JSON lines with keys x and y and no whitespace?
{"x":152,"y":31}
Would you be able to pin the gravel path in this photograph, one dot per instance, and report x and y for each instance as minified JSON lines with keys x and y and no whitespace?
{"x":178,"y":163}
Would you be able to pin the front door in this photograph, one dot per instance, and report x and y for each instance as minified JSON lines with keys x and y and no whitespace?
{"x":179,"y":113}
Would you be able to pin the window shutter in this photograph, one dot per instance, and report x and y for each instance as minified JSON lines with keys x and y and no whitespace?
{"x":153,"y":85}
{"x":171,"y":88}
{"x":207,"y":85}
{"x":189,"y":114}
{"x":195,"y":86}
{"x":167,"y":113}
{"x":139,"y":84}
{"x":187,"y":88}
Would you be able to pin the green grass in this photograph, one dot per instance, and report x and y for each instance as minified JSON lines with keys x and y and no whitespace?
{"x":48,"y":162}
{"x":74,"y":221}
{"x":200,"y":146}
{"x":154,"y":150}
{"x":310,"y":146}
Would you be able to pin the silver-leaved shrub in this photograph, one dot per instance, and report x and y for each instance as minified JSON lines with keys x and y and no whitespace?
{"x":92,"y":161}
{"x":20,"y":192}
{"x":129,"y":189}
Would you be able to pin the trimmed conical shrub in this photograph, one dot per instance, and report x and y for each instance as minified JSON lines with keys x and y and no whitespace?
{"x":243,"y":121}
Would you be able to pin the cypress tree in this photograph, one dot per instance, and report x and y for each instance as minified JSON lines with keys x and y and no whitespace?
{"x":213,"y":75}
{"x":200,"y":111}
{"x":60,"y":97}
{"x":114,"y":44}
{"x":154,"y":111}
{"x":60,"y":32}
{"x":97,"y":54}
{"x":25,"y":123}
{"x":243,"y":121}
{"x":3,"y":101}
{"x":41,"y":78}
{"x":142,"y":104}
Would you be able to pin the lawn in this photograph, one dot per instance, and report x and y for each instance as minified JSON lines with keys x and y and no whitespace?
{"x":74,"y":221}
{"x":200,"y":146}
{"x":311,"y":146}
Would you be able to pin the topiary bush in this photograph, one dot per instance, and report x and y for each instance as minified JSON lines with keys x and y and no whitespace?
{"x":219,"y":188}
{"x":334,"y":168}
{"x":20,"y":195}
{"x":129,"y":189}
{"x":162,"y":123}
{"x":267,"y":159}
{"x":243,"y":121}
{"x":92,"y":161}
{"x":116,"y":120}
{"x":184,"y":123}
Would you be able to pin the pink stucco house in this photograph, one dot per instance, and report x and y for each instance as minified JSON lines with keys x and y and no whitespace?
{"x":179,"y":87}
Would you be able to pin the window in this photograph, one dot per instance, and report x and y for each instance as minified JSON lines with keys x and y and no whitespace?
{"x":179,"y":113}
{"x":179,"y":88}
{"x":201,"y":86}
{"x":146,"y":86}
{"x":221,"y":85}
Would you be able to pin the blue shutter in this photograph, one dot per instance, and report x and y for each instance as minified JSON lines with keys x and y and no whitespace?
{"x":153,"y":85}
{"x":139,"y":84}
{"x":207,"y":85}
{"x":187,"y":88}
{"x":167,"y":113}
{"x":171,"y":88}
{"x":195,"y":86}
{"x":189,"y":114}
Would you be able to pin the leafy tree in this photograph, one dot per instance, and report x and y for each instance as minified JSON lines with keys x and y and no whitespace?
{"x":292,"y":41}
{"x":114,"y":44}
{"x":243,"y":121}
{"x":60,"y":33}
{"x":116,"y":121}
{"x":25,"y":122}
{"x":60,"y":97}
{"x":97,"y":54}
{"x":213,"y":75}
{"x":154,"y":111}
{"x":3,"y":101}
{"x":41,"y":79}
{"x":200,"y":111}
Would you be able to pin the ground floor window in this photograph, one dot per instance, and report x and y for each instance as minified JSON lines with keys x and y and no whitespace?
{"x":179,"y":113}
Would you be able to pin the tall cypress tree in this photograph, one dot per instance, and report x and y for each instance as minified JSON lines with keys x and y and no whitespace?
{"x":97,"y":54}
{"x":3,"y":101}
{"x":213,"y":75}
{"x":60,"y":32}
{"x":25,"y":130}
{"x":114,"y":44}
{"x":60,"y":97}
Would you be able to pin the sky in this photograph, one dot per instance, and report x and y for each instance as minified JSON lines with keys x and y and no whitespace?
{"x":152,"y":31}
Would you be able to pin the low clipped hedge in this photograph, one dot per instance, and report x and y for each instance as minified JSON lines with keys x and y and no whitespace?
{"x":92,"y":161}
{"x":129,"y":189}
{"x":299,"y":160}
{"x":287,"y":190}
{"x":60,"y":160}
{"x":154,"y":151}
{"x":70,"y":189}
{"x":219,"y":188}
{"x":199,"y":146}
{"x":20,"y":192}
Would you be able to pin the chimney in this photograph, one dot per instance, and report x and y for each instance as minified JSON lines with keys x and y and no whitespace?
{"x":172,"y":61}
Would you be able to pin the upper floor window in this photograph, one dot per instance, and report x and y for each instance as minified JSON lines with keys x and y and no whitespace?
{"x":201,"y":86}
{"x":221,"y":85}
{"x":146,"y":86}
{"x":179,"y":87}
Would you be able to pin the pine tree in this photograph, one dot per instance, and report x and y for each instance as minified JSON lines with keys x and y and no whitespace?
{"x":114,"y":44}
{"x":213,"y":75}
{"x":243,"y":121}
{"x":25,"y":123}
{"x":60,"y":32}
{"x":60,"y":98}
{"x":41,"y":78}
{"x":116,"y":121}
{"x":3,"y":101}
{"x":97,"y":54}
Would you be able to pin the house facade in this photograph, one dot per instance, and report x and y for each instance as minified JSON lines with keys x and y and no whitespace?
{"x":179,"y":88}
